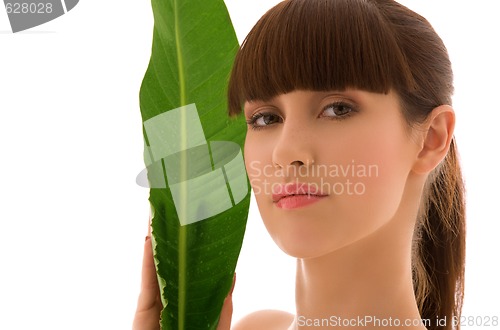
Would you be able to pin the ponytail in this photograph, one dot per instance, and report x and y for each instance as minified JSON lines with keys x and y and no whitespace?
{"x":439,"y":245}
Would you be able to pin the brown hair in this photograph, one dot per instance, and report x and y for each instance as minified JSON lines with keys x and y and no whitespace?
{"x":377,"y":46}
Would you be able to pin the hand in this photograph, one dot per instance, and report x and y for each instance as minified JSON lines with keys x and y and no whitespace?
{"x":147,"y":315}
{"x":149,"y":306}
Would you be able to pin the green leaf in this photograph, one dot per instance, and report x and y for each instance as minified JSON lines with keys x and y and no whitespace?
{"x":199,"y":192}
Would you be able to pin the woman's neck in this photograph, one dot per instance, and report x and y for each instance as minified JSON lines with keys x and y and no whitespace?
{"x":368,"y":284}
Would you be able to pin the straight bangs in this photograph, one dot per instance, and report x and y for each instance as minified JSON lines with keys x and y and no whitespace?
{"x":318,"y":45}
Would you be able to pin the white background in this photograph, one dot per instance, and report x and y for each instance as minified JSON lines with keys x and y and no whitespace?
{"x":72,"y":219}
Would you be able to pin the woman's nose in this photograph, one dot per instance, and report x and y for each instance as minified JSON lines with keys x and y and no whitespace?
{"x":294,"y":146}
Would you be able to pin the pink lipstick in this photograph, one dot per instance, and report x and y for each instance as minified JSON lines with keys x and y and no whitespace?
{"x":292,"y":196}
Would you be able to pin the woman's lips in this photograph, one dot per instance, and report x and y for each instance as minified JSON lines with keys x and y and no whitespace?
{"x":296,"y":201}
{"x":295,"y":195}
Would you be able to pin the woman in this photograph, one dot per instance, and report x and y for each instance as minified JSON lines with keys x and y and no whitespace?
{"x":351,"y":156}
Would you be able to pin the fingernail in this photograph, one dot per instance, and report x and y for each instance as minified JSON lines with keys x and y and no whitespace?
{"x":234,"y":282}
{"x":147,"y":237}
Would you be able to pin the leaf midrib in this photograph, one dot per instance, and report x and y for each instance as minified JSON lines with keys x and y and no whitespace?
{"x":183,"y":174}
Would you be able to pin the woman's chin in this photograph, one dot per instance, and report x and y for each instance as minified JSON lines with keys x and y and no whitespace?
{"x":304,"y":247}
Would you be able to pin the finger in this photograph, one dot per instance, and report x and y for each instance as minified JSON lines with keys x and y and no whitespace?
{"x":149,"y":279}
{"x":227,"y":310}
{"x":149,"y":304}
{"x":150,"y":291}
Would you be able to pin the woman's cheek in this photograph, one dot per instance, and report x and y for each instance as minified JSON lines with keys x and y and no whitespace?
{"x":371,"y":175}
{"x":256,"y":166}
{"x":384,"y":174}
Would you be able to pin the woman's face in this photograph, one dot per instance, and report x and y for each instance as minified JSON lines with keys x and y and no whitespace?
{"x":327,"y":168}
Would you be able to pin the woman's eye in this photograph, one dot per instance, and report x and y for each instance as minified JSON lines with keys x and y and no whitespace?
{"x":261,"y":120}
{"x":337,"y":110}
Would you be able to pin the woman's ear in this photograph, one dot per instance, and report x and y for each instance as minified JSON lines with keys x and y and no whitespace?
{"x":436,"y":139}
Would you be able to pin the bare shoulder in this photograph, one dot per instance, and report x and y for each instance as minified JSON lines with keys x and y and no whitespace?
{"x":265,"y":319}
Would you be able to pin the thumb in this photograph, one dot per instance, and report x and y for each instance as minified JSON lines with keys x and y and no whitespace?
{"x":227,"y":310}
